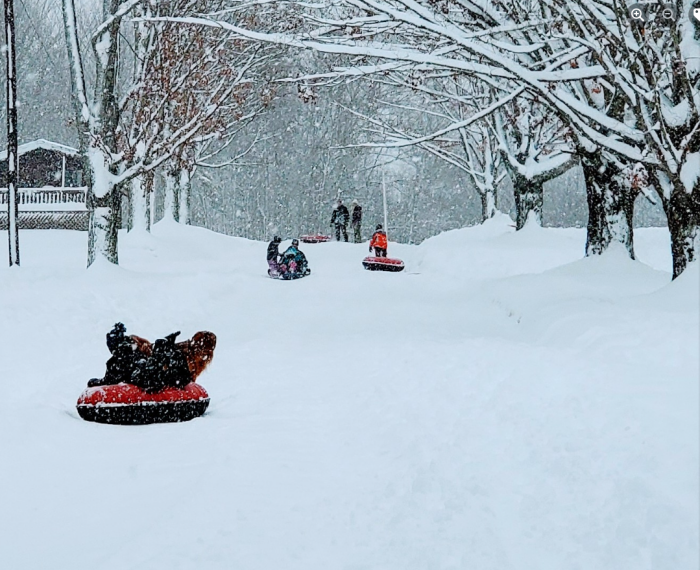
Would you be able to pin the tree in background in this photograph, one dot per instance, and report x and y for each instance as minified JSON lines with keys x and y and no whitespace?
{"x":651,"y":79}
{"x":535,"y":148}
{"x":284,"y":170}
{"x":458,"y":131}
{"x":541,"y":48}
{"x":128,"y":128}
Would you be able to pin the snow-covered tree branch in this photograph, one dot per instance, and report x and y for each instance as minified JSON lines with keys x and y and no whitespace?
{"x":185,"y":85}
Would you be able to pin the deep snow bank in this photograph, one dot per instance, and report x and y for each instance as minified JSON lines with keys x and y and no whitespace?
{"x":683,"y":293}
{"x":494,"y":249}
{"x":522,"y":408}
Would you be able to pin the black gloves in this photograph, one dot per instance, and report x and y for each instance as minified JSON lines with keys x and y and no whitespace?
{"x":115,"y":337}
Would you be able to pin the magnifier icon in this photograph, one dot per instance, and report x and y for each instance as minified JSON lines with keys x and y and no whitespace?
{"x":668,"y":12}
{"x":637,"y":12}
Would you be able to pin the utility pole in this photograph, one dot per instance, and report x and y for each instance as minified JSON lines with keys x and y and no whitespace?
{"x":386,"y":219}
{"x":12,"y":173}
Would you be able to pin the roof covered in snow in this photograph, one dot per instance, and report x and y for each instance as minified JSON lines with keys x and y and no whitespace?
{"x":41,"y":144}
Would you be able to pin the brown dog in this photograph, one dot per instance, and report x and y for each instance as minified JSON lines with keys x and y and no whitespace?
{"x":199,"y":350}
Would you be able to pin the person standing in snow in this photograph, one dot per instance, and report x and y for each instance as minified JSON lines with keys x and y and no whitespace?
{"x":340,"y":219}
{"x":273,"y":254}
{"x":356,"y":222}
{"x":379,"y":242}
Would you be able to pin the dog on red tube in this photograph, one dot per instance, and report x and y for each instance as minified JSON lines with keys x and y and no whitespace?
{"x":158,"y":365}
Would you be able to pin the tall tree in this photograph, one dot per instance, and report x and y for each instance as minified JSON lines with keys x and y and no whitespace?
{"x":652,"y":78}
{"x":124,"y":128}
{"x":541,"y":47}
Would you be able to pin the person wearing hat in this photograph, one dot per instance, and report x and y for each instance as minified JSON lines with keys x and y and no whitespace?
{"x":340,"y":219}
{"x":293,"y":263}
{"x":273,"y":254}
{"x":379,"y":242}
{"x":356,"y":222}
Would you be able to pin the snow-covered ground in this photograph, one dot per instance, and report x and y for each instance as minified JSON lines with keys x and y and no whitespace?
{"x":502,"y":404}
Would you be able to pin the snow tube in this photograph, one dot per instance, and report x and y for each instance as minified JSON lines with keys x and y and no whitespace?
{"x":126,"y":404}
{"x":290,"y":276}
{"x":382,"y":264}
{"x":315,"y":238}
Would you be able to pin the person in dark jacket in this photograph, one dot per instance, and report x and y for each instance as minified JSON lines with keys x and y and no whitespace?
{"x":293,"y":263}
{"x":273,"y":254}
{"x":165,"y":367}
{"x":356,"y":222}
{"x":379,"y":242}
{"x":155,"y":366}
{"x":121,"y":366}
{"x":340,"y":219}
{"x":149,"y":367}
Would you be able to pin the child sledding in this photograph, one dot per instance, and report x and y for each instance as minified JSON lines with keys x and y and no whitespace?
{"x":155,"y":366}
{"x":273,"y":257}
{"x":292,"y":264}
{"x":149,"y":382}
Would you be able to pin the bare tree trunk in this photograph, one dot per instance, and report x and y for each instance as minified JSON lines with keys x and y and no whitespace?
{"x":82,"y":114}
{"x":528,"y":192}
{"x":184,"y":196}
{"x":529,"y":196}
{"x":683,"y":213}
{"x":685,"y":233}
{"x":152,"y":206}
{"x":130,"y":212}
{"x":172,"y":181}
{"x":610,"y":206}
{"x":141,"y":189}
{"x":136,"y":206}
{"x":104,"y":201}
{"x":488,"y":204}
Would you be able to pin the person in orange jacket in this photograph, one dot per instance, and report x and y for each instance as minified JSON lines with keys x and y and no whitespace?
{"x":379,"y":242}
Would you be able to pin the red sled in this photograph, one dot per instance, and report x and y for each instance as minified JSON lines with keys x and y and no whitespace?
{"x":315,"y":238}
{"x":126,"y":404}
{"x":382,"y":264}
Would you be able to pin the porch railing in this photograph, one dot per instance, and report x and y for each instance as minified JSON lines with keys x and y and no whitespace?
{"x":47,"y":195}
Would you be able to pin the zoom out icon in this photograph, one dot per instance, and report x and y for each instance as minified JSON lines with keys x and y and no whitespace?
{"x":667,"y":13}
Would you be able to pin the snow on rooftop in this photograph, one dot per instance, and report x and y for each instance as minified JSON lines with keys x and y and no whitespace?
{"x":43,"y":144}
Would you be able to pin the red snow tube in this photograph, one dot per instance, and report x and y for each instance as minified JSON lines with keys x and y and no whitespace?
{"x":315,"y":238}
{"x":382,"y":264}
{"x":126,"y":404}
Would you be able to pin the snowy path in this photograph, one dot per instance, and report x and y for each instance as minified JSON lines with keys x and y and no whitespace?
{"x":520,"y":409}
